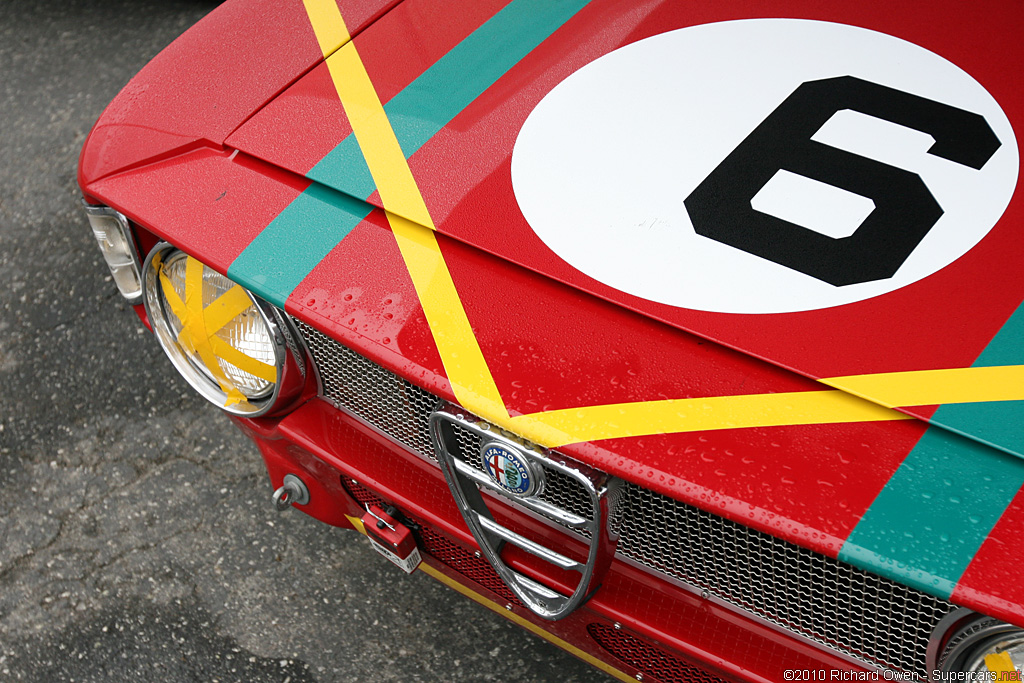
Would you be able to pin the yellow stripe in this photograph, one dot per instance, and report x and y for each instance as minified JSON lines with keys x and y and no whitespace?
{"x":407,"y":213}
{"x":328,"y":25}
{"x":936,"y":387}
{"x":463,"y":360}
{"x":384,"y":156}
{"x":474,"y":386}
{"x":560,"y":427}
{"x":528,"y":625}
{"x":1001,"y":664}
{"x":511,"y":616}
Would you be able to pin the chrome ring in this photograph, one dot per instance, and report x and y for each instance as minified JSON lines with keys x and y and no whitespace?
{"x":199,"y":378}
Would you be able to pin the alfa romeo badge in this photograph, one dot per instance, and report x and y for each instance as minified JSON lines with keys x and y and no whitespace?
{"x":510,"y":469}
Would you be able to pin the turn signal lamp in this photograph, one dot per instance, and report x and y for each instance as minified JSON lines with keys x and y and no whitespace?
{"x":114,"y":236}
{"x":228,"y":344}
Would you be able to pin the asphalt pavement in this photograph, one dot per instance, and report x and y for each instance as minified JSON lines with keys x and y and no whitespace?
{"x":137,"y":538}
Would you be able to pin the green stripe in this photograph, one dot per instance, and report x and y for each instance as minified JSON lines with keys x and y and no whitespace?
{"x":437,"y":96}
{"x":935,"y":512}
{"x":927,"y":524}
{"x":292,"y":245}
{"x":296,"y":241}
{"x":998,"y":423}
{"x":345,"y":169}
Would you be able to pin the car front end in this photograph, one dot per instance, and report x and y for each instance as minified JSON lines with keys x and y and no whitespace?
{"x":369,"y":236}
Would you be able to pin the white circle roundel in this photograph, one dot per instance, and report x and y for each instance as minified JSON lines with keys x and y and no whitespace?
{"x":764,"y":166}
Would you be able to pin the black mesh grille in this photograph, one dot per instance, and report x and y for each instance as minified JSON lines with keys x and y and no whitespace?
{"x":650,"y":660}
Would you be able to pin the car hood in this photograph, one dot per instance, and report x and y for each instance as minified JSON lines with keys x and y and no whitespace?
{"x":468,"y":201}
{"x":482,"y":108}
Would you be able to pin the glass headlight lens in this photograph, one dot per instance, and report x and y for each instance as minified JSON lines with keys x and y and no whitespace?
{"x":214,"y":332}
{"x":987,"y":647}
{"x":246,"y":332}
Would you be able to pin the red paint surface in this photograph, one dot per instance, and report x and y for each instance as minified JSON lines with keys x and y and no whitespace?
{"x":378,"y":315}
{"x":311,"y":104}
{"x":207,"y":203}
{"x":992,"y":581}
{"x":209,"y":81}
{"x":395,"y":50}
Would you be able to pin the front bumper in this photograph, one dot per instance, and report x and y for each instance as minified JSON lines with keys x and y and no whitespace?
{"x":636,"y":626}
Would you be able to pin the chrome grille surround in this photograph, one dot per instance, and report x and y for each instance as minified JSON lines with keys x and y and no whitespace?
{"x":857,"y":614}
{"x":561,"y":491}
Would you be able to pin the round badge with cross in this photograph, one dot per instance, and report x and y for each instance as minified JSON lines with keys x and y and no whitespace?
{"x":509,"y":469}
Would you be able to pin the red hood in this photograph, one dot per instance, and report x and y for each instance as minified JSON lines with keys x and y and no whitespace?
{"x":208,"y":82}
{"x":462,"y":136}
{"x":676,"y":397}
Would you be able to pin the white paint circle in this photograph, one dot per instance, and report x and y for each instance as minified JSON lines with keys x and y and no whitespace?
{"x":602,"y":165}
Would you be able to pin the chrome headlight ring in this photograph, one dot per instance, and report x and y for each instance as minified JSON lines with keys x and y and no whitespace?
{"x":984,"y":647}
{"x":249,"y":370}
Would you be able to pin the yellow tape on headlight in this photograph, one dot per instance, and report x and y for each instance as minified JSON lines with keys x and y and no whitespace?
{"x":199,"y":327}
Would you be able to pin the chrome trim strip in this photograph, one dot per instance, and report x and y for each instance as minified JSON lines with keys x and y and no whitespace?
{"x":526,"y":544}
{"x":536,"y":504}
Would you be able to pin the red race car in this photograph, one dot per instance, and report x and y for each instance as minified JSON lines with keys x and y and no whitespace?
{"x":688,"y":336}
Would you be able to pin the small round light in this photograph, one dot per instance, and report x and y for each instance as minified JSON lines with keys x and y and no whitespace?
{"x":217,"y":334}
{"x":987,"y":647}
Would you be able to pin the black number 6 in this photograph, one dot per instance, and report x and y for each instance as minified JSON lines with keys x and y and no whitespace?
{"x":905,"y":209}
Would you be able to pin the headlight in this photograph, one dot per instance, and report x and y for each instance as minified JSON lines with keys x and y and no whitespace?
{"x":229,"y":345}
{"x":114,"y":236}
{"x":987,"y":647}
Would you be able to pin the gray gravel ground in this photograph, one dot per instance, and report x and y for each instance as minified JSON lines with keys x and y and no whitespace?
{"x":137,"y":541}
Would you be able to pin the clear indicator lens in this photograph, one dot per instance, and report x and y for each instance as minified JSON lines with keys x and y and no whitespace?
{"x":110,"y":230}
{"x":112,"y":240}
{"x":126,"y":279}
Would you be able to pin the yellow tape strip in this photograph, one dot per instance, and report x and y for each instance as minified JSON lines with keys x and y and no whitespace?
{"x":560,"y":427}
{"x":330,"y":29}
{"x":527,"y":624}
{"x":1000,"y":664}
{"x":511,"y":616}
{"x":195,"y":323}
{"x":936,"y":387}
{"x":200,"y":325}
{"x":471,"y":379}
{"x":242,"y":361}
{"x":226,"y":308}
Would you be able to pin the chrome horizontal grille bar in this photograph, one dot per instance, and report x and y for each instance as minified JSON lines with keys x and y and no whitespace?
{"x":858,"y":614}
